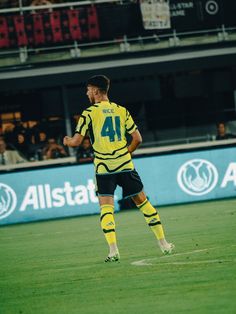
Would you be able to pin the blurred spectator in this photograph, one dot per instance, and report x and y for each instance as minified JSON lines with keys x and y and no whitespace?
{"x":41,"y":2}
{"x":9,"y":157}
{"x":53,"y":150}
{"x":21,"y":145}
{"x":85,"y":152}
{"x":38,"y":127}
{"x":37,"y":146}
{"x":19,"y":128}
{"x":9,"y":135}
{"x":221,"y":132}
{"x":42,"y":138}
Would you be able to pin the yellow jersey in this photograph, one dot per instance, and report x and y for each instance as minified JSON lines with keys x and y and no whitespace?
{"x":107,"y":124}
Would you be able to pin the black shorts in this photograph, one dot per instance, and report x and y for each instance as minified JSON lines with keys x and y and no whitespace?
{"x":129,"y":181}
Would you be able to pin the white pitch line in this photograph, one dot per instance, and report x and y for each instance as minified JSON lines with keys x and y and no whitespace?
{"x":148,"y":261}
{"x":201,"y":262}
{"x":145,"y":263}
{"x":186,"y":253}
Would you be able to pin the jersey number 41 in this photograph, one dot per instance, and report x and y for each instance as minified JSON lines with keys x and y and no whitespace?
{"x":111,"y":128}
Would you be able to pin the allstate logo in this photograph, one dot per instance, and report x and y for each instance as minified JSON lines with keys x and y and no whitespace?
{"x":7,"y":200}
{"x":197,"y":177}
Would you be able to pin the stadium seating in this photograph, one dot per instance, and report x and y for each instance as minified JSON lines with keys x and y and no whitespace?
{"x":47,"y":28}
{"x":4,"y":33}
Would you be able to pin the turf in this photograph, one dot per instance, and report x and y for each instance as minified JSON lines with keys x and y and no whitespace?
{"x":57,"y":266}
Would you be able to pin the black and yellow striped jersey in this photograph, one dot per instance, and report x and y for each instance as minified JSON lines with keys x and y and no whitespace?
{"x":107,"y":124}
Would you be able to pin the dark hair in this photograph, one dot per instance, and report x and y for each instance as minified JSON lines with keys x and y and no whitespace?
{"x":100,"y":81}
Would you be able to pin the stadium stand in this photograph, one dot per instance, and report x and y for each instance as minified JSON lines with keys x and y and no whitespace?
{"x":182,"y":101}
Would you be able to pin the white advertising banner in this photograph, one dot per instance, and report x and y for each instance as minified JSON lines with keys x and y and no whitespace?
{"x":155,"y":14}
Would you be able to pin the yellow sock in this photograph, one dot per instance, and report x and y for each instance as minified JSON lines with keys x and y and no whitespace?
{"x":152,"y":218}
{"x":108,"y":223}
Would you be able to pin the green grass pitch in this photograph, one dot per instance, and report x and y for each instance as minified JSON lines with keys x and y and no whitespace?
{"x":57,"y":266}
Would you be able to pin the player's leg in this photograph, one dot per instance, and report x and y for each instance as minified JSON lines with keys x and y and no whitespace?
{"x":105,"y":187}
{"x":133,"y":187}
{"x":153,"y":220}
{"x":108,"y":226}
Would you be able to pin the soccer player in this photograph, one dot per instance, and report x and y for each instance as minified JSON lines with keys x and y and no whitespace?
{"x":107,"y":124}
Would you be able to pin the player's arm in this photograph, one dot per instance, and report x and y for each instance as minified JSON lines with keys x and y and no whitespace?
{"x":80,"y":131}
{"x":135,"y":142}
{"x":74,"y":141}
{"x":132,"y":129}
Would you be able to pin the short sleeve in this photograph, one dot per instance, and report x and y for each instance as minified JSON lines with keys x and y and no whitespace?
{"x":83,"y":123}
{"x":129,"y":123}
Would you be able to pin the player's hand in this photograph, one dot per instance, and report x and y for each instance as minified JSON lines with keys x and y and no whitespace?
{"x":66,"y":140}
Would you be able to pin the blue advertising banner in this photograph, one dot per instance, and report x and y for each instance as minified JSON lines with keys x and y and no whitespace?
{"x":70,"y":191}
{"x":189,"y":177}
{"x":48,"y":193}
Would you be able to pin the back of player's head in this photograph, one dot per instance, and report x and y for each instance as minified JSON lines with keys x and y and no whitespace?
{"x":100,"y":81}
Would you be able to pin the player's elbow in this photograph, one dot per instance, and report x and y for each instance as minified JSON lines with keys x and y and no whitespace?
{"x":137,"y":142}
{"x":137,"y":137}
{"x":140,"y":139}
